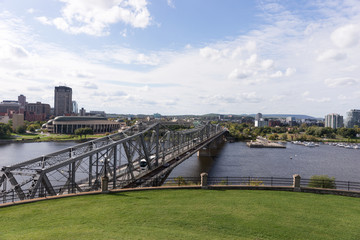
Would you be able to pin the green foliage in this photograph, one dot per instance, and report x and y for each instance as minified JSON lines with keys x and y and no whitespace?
{"x":284,"y":137}
{"x":180,"y":181}
{"x":347,"y":132}
{"x":255,"y":183}
{"x":274,"y":136}
{"x":322,"y":181}
{"x":83,"y":131}
{"x":5,"y":130}
{"x":21,"y":129}
{"x":32,"y":127}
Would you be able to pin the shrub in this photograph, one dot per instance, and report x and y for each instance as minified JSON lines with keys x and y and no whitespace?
{"x":256,"y":183}
{"x":322,"y":181}
{"x":180,"y":181}
{"x":21,"y":129}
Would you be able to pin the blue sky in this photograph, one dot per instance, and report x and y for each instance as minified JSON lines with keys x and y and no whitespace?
{"x":184,"y":56}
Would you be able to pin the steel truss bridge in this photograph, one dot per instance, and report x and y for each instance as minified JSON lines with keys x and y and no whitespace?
{"x":118,"y":156}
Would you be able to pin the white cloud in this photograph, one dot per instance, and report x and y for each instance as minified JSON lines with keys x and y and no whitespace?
{"x":277,"y":98}
{"x":31,"y":10}
{"x":332,"y":54}
{"x":93,"y":17}
{"x":290,"y":71}
{"x":89,"y":85}
{"x":306,"y":93}
{"x":277,"y":74}
{"x":267,"y":64}
{"x":239,"y":74}
{"x":210,"y":53}
{"x":338,"y":82}
{"x":171,"y":3}
{"x":12,"y":51}
{"x":116,"y":54}
{"x":250,"y":97}
{"x":44,"y":20}
{"x":346,"y":36}
{"x":320,"y":100}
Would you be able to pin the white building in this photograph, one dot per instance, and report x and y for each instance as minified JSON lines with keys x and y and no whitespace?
{"x":334,"y":120}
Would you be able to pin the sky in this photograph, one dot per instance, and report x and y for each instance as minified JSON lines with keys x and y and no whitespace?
{"x":184,"y":56}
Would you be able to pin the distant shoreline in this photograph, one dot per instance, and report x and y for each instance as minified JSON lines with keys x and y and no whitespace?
{"x":5,"y":141}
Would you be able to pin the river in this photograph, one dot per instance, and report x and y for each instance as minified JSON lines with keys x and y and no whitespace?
{"x":233,"y":160}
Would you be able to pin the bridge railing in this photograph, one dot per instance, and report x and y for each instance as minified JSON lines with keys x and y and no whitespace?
{"x":347,"y":186}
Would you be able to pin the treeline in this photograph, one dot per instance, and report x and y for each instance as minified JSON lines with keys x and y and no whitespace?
{"x":6,"y":129}
{"x":245,"y":131}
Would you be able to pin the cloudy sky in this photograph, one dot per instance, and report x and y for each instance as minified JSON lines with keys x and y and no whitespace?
{"x":184,"y":56}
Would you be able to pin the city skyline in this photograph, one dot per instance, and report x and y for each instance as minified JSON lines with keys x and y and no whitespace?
{"x":184,"y":57}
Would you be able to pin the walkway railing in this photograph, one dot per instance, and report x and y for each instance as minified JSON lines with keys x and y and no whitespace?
{"x":307,"y":185}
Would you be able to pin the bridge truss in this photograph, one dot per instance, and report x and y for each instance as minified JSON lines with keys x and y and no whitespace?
{"x":118,"y":156}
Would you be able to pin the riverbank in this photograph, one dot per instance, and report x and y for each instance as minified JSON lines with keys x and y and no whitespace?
{"x":29,"y":138}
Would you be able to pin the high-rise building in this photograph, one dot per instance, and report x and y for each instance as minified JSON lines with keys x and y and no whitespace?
{"x":353,"y":118}
{"x":258,"y":116}
{"x":75,"y":107}
{"x":334,"y":120}
{"x":63,"y":101}
{"x":22,"y":100}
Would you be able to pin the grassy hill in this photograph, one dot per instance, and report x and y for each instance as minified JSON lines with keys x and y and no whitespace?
{"x":186,"y":214}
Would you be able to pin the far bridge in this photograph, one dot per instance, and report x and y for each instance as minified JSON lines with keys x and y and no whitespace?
{"x":139,"y":156}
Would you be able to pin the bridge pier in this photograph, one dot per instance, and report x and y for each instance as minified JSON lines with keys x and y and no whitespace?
{"x":212,"y":149}
{"x":207,"y":152}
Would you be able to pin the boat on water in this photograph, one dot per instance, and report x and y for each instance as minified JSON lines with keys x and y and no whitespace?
{"x":345,"y":145}
{"x":306,"y":144}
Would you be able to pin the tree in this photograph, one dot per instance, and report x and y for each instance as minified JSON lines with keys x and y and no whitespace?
{"x":347,"y":132}
{"x":83,"y":131}
{"x":88,"y":131}
{"x":32,"y":127}
{"x":284,"y":137}
{"x":322,"y":181}
{"x":21,"y":129}
{"x":5,"y":130}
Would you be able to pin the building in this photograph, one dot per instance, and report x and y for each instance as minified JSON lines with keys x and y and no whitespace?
{"x":4,"y":119}
{"x":274,"y":123}
{"x":75,"y":107}
{"x":82,"y":112}
{"x":262,"y":122}
{"x":18,"y":120}
{"x":291,"y":121}
{"x":97,"y":113}
{"x":157,"y":115}
{"x":22,"y":102}
{"x":258,"y":116}
{"x":8,"y":108}
{"x":68,"y":124}
{"x":63,"y":101}
{"x":353,"y":118}
{"x":37,"y":111}
{"x":334,"y":120}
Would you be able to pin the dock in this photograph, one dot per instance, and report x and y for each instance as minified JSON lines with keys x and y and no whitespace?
{"x":264,"y":143}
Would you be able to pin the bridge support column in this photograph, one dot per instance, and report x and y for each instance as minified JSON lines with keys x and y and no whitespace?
{"x":105,"y":184}
{"x":204,"y":177}
{"x":296,"y":182}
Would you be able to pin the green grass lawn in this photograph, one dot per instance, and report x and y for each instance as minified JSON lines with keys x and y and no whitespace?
{"x":186,"y":214}
{"x":53,"y":137}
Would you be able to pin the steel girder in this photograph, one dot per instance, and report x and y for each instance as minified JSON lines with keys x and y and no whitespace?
{"x":80,"y":168}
